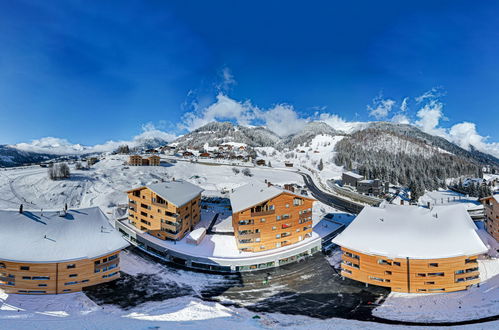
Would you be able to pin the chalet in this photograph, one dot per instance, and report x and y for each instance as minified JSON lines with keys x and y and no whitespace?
{"x":135,"y":160}
{"x":351,"y":178}
{"x":260,"y":162}
{"x":266,"y":217}
{"x":204,"y":155}
{"x":491,"y":206}
{"x":288,"y":164}
{"x":187,"y":154}
{"x":411,"y":249}
{"x":241,"y":148}
{"x":151,"y":151}
{"x":57,"y":251}
{"x":166,"y":210}
{"x":154,"y":160}
{"x":289,"y":187}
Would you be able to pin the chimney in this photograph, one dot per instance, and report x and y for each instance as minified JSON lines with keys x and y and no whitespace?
{"x":21,"y":208}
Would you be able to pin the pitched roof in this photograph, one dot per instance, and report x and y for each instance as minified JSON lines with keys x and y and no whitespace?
{"x":33,"y":237}
{"x":398,"y":231}
{"x":255,"y":193}
{"x":178,"y":192}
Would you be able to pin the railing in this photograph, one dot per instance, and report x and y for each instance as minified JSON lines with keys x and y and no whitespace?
{"x":165,"y":204}
{"x":262,"y":213}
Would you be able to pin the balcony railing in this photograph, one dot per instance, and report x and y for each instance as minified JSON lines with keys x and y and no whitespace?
{"x":262,"y":213}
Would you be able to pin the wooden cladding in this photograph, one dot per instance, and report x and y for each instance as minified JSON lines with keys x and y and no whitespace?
{"x":151,"y":213}
{"x":411,"y":275}
{"x":284,"y":220}
{"x":53,"y":278}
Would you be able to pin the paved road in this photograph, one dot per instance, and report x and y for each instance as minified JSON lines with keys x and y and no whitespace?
{"x":330,"y":199}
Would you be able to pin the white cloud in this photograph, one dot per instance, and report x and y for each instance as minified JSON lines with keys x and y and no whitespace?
{"x":400,"y":119}
{"x":431,"y":113}
{"x":339,"y":123}
{"x":380,"y":107}
{"x":227,"y":80}
{"x":58,"y":146}
{"x":404,"y":106}
{"x":465,"y":135}
{"x":282,"y":120}
{"x":224,"y":108}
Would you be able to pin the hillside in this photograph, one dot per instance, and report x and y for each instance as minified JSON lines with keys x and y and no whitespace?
{"x":13,"y":157}
{"x":405,"y":159}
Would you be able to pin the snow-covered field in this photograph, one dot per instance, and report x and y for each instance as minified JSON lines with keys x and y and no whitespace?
{"x":105,"y":183}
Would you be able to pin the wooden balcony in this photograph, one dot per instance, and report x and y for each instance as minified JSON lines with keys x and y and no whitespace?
{"x":262,"y":213}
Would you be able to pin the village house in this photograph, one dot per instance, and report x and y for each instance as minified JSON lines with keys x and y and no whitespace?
{"x":491,"y":208}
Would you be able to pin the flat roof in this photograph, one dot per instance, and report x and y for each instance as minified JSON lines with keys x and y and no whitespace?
{"x":255,"y":193}
{"x":178,"y":192}
{"x":43,"y":238}
{"x":354,"y":175}
{"x":398,"y":231}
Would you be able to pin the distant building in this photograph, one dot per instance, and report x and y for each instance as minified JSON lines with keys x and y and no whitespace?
{"x":371,"y":187}
{"x":491,"y":205}
{"x":166,"y":210}
{"x":288,"y":164}
{"x":260,"y":162}
{"x":92,"y":160}
{"x":265,"y":217}
{"x":57,"y":251}
{"x":136,"y":160}
{"x":412,"y":249}
{"x":187,"y":154}
{"x":205,"y":155}
{"x":351,"y":178}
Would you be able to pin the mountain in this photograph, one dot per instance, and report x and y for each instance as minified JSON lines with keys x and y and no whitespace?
{"x":404,"y":155}
{"x":13,"y":157}
{"x":307,"y":134}
{"x":216,"y":133}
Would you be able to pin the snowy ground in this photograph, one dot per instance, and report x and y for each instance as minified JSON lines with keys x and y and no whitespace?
{"x":105,"y":183}
{"x":448,"y":197}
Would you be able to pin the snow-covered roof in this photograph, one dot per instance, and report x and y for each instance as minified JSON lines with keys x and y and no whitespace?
{"x":366,"y":181}
{"x":33,"y":237}
{"x":398,"y":231}
{"x":178,"y":192}
{"x":255,"y":193}
{"x":354,"y":175}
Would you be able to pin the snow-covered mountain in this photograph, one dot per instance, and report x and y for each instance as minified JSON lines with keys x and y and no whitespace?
{"x":11,"y":156}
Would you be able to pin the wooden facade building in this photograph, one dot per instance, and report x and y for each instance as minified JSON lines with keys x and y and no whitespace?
{"x":491,"y":209}
{"x":166,"y":210}
{"x":412,"y":249}
{"x":57,"y":252}
{"x":265,"y":217}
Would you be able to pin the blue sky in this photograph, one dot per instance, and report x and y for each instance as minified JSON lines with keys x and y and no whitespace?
{"x":92,"y":71}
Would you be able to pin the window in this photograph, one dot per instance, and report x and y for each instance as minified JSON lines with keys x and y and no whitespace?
{"x":429,"y":283}
{"x":257,"y":239}
{"x":274,"y":228}
{"x":84,"y":281}
{"x":377,"y":279}
{"x":437,"y":290}
{"x":262,"y":247}
{"x":70,"y":266}
{"x":278,"y":236}
{"x":24,"y":267}
{"x":112,"y":257}
{"x":396,"y":263}
{"x":287,"y":206}
{"x":277,"y":245}
{"x":433,"y":264}
{"x":42,"y":285}
{"x":351,"y":255}
{"x":40,"y":278}
{"x":97,"y":262}
{"x":2,"y":265}
{"x":262,"y":220}
{"x":470,"y":261}
{"x":297,"y":201}
{"x":26,"y":277}
{"x":70,"y":283}
{"x":73,"y":275}
{"x":436,"y":274}
{"x":421,"y":290}
{"x":387,"y":272}
{"x":384,"y":262}
{"x":66,"y":290}
{"x":421,"y":275}
{"x":348,"y":271}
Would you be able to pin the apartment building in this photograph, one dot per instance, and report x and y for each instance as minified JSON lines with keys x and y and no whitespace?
{"x":167,"y":210}
{"x":57,"y":252}
{"x":266,"y":217}
{"x":137,"y":160}
{"x":491,"y":210}
{"x":412,"y":249}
